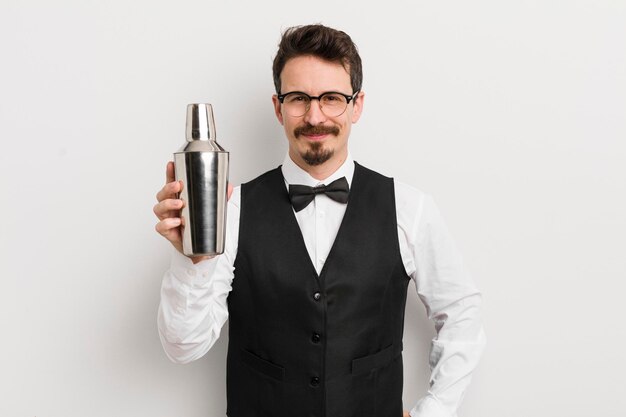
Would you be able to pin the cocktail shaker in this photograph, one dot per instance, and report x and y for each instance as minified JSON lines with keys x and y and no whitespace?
{"x":202,"y":165}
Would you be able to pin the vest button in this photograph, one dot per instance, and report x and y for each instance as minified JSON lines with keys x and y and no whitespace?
{"x":315,"y":381}
{"x":316,"y":338}
{"x":317,"y":296}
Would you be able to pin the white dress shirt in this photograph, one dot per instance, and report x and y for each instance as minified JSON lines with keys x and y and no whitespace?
{"x":193,"y":305}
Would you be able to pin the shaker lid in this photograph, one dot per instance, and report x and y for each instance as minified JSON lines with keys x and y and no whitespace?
{"x":200,"y":122}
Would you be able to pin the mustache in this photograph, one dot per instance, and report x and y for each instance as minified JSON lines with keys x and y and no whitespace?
{"x":309,"y":129}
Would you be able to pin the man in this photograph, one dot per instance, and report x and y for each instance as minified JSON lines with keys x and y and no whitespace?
{"x":313,"y":280}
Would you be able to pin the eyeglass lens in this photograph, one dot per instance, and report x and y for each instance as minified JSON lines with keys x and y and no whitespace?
{"x":332,"y":104}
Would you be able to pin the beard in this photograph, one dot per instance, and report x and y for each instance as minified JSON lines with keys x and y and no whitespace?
{"x":316,"y":154}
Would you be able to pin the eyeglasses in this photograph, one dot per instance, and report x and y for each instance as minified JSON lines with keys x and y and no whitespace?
{"x":332,"y":104}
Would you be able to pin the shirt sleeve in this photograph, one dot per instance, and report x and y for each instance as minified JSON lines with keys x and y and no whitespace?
{"x":193,"y":305}
{"x":452,"y":302}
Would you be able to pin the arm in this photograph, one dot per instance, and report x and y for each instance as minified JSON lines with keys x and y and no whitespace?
{"x":193,"y":305}
{"x":452,"y":302}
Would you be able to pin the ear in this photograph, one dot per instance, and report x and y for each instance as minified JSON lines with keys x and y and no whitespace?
{"x":279,"y":114}
{"x":358,"y":106}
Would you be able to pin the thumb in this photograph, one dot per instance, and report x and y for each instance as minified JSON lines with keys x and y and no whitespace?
{"x":230,"y":190}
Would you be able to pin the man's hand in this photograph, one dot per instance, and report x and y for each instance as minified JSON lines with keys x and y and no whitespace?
{"x":168,"y":209}
{"x":405,"y":414}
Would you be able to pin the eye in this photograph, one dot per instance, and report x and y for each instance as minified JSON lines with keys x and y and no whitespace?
{"x":296,"y":98}
{"x":333,"y":98}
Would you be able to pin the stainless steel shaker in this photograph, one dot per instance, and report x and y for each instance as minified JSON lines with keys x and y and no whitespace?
{"x":202,"y":165}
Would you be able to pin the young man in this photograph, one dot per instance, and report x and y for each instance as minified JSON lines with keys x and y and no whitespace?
{"x":314,"y":280}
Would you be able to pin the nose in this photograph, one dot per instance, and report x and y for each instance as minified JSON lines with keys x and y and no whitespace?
{"x":314,"y":116}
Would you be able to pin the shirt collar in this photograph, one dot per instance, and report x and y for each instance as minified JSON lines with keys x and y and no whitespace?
{"x":293,"y":174}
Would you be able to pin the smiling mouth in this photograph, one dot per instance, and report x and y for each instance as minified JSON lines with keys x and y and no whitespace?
{"x":315,"y":137}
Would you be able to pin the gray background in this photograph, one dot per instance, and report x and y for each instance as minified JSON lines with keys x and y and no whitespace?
{"x":512,"y":114}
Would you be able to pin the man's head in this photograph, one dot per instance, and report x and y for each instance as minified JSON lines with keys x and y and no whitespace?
{"x":322,"y":42}
{"x":315,"y":60}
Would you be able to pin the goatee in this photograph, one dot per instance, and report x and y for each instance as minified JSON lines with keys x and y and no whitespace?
{"x":316,"y":154}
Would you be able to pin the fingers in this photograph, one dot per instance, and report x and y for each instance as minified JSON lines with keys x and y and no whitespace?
{"x":168,"y":208}
{"x":169,"y":172}
{"x":171,"y":187}
{"x":169,"y":190}
{"x":166,"y":226}
{"x":169,"y":229}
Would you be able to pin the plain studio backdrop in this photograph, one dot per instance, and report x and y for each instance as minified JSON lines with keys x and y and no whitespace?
{"x":511,"y":114}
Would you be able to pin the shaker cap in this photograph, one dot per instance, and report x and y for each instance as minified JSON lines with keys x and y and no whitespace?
{"x":200,"y":122}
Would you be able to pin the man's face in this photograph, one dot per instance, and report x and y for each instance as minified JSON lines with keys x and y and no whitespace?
{"x":316,"y":139}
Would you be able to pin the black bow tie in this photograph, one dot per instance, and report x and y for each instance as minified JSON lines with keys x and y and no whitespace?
{"x":302,"y":195}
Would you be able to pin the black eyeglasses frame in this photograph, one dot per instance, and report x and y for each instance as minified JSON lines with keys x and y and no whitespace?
{"x":281,"y":97}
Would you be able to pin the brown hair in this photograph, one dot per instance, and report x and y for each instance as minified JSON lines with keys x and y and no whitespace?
{"x":323,"y":42}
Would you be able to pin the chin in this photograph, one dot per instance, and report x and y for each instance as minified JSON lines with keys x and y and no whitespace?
{"x":317,"y":155}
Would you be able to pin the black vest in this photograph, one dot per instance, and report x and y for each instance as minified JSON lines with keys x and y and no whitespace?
{"x":303,"y":345}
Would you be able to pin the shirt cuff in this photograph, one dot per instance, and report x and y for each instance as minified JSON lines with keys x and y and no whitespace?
{"x":195,"y":275}
{"x":429,"y":407}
